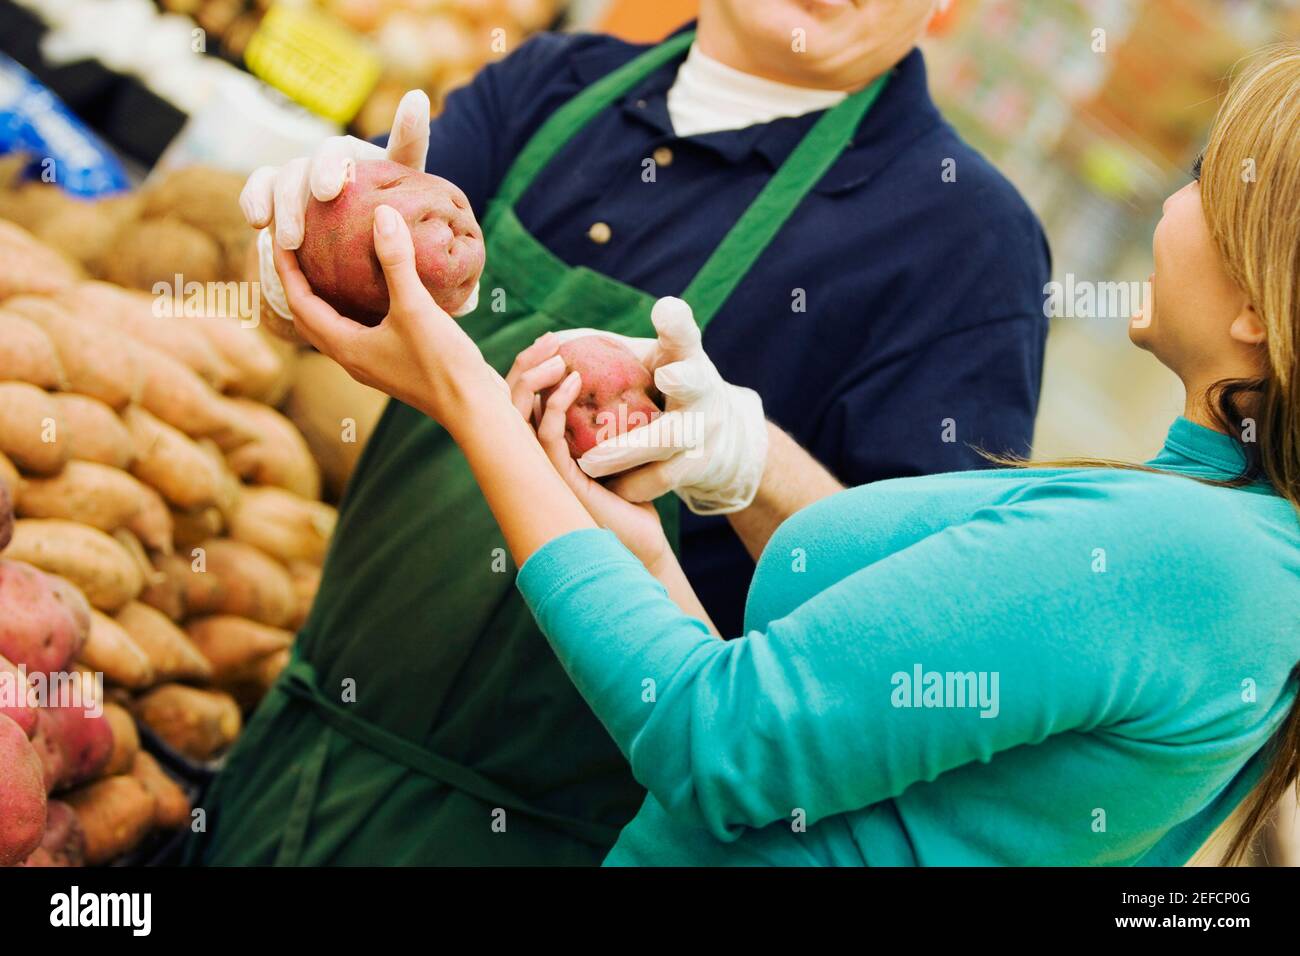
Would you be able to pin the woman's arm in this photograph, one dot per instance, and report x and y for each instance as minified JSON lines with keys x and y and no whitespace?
{"x":822,"y":712}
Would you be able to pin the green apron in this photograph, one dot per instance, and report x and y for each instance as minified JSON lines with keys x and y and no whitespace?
{"x":424,"y":719}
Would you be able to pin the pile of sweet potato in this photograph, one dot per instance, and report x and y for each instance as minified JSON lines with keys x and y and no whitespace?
{"x":162,"y":529}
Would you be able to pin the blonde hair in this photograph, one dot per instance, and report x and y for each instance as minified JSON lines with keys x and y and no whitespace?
{"x":1250,"y":190}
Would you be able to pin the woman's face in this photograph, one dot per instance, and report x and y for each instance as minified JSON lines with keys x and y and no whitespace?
{"x":831,"y":44}
{"x":1194,"y":303}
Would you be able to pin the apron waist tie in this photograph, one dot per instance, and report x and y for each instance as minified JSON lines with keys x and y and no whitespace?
{"x":299,"y":681}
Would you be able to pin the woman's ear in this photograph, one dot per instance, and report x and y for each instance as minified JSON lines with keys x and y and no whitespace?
{"x":1247,"y":328}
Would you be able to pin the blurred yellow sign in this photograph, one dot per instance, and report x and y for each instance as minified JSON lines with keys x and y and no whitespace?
{"x":313,"y":59}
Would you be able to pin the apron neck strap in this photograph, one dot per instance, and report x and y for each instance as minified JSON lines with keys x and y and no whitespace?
{"x":565,"y":122}
{"x":776,"y":203}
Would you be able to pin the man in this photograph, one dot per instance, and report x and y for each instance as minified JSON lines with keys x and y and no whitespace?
{"x":850,"y":259}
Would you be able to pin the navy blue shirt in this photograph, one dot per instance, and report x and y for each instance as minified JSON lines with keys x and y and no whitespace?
{"x":894,"y":326}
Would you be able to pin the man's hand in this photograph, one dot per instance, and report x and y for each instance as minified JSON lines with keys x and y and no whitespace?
{"x":279,"y":194}
{"x":710,"y":444}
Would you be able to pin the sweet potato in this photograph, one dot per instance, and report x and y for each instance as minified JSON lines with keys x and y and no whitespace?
{"x":191,"y":528}
{"x":31,"y":432}
{"x":99,"y":566}
{"x":172,"y":808}
{"x":306,"y":582}
{"x":85,"y":492}
{"x":86,"y":743}
{"x":6,"y":516}
{"x":335,"y":414}
{"x":338,"y":249}
{"x":27,"y":265}
{"x":22,"y":795}
{"x":260,"y":371}
{"x":64,"y":843}
{"x":115,"y":814}
{"x":167,"y":593}
{"x":198,"y":723}
{"x":14,"y":697}
{"x":152,"y":524}
{"x":27,"y":354}
{"x":132,"y":546}
{"x":175,"y":394}
{"x":9,"y":479}
{"x":285,"y":526}
{"x":93,"y":431}
{"x":98,"y":361}
{"x":234,"y":645}
{"x":126,"y":740}
{"x":238,"y":579}
{"x":111,"y":652}
{"x":252,"y":684}
{"x":37,"y":629}
{"x":172,"y":464}
{"x":279,"y":455}
{"x":169,"y":649}
{"x":132,"y":312}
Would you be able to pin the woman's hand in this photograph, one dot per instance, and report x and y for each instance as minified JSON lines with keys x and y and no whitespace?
{"x":537,"y":368}
{"x":418,"y":354}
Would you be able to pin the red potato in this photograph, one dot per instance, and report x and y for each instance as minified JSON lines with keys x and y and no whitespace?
{"x":64,"y":843}
{"x":48,"y":752}
{"x":39,"y":628}
{"x":618,"y":392}
{"x":85,"y":742}
{"x":13,"y":698}
{"x":22,"y":795}
{"x":338,"y":250}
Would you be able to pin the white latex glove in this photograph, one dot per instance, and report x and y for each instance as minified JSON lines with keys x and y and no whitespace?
{"x":279,"y":194}
{"x":710,"y":444}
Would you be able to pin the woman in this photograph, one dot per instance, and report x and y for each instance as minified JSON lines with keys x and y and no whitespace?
{"x":1074,"y":663}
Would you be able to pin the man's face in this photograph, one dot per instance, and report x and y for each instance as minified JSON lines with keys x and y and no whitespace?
{"x":834,"y":44}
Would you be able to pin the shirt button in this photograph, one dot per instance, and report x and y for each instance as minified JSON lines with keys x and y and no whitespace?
{"x":600,"y":233}
{"x":663,"y":156}
{"x":640,"y":104}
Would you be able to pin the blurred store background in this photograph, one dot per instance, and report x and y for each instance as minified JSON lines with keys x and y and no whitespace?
{"x":1096,"y":109}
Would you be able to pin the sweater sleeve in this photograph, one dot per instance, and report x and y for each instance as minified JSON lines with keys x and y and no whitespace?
{"x":821,"y":713}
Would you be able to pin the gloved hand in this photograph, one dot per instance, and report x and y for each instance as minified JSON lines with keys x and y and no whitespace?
{"x":278,"y":195}
{"x":709,"y":446}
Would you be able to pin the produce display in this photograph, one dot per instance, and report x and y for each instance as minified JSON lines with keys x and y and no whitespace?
{"x":161,"y":518}
{"x":436,"y":45}
{"x":618,"y":392}
{"x":338,"y":248}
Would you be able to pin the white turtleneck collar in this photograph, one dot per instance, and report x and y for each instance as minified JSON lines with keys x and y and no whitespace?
{"x":709,"y":96}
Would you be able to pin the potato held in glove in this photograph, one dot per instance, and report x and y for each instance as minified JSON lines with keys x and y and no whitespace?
{"x":338,"y":249}
{"x":618,"y":393}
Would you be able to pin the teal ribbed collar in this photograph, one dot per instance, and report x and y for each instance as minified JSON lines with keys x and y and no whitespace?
{"x":1195,"y":449}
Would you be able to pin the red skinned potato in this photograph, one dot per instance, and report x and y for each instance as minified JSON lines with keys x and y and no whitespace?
{"x":39,"y":629}
{"x":48,"y":752}
{"x":64,"y":843}
{"x":338,"y":250}
{"x":618,"y":393}
{"x":22,"y":795}
{"x":85,"y":742}
{"x":13,"y":698}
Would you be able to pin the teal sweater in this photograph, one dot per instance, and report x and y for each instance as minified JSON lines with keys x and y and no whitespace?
{"x":1002,"y":667}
